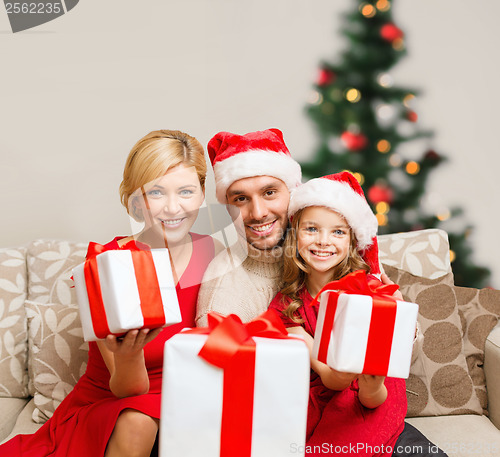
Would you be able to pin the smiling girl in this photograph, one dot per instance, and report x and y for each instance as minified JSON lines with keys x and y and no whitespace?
{"x":333,"y":233}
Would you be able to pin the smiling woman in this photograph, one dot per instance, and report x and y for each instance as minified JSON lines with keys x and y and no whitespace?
{"x":114,"y":409}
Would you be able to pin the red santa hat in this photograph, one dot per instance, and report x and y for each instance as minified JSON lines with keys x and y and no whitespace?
{"x":262,"y":153}
{"x":342,"y":193}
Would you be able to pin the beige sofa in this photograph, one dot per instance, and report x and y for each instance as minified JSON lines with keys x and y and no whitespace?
{"x":453,"y":399}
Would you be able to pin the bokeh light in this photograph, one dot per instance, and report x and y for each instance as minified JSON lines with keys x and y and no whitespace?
{"x":412,"y":168}
{"x":385,"y":80}
{"x":315,"y":98}
{"x":367,"y":10}
{"x":453,"y":256}
{"x":382,"y":208}
{"x":382,"y":219}
{"x":383,"y":5}
{"x":383,"y":146}
{"x":395,"y":160}
{"x":360,"y":178}
{"x":353,"y":95}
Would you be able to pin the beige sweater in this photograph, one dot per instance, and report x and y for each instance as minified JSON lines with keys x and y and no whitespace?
{"x":241,"y":280}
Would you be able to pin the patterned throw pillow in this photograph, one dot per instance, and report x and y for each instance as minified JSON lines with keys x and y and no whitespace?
{"x":13,"y":336}
{"x":50,"y":265}
{"x":479,"y":311}
{"x":420,"y":253}
{"x":59,"y":354}
{"x":439,"y":382}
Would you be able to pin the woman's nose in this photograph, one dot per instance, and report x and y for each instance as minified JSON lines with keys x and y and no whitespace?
{"x":172,"y":205}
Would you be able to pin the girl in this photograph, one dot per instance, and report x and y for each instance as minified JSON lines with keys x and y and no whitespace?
{"x":114,"y":409}
{"x":333,"y":233}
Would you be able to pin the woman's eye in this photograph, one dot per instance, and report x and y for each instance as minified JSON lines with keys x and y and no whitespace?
{"x":153,"y":193}
{"x":186,"y":192}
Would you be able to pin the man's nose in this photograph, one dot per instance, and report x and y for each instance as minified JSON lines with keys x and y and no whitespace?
{"x":258,"y":209}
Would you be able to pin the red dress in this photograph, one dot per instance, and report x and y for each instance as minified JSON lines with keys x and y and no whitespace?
{"x":337,"y":422}
{"x":83,"y":422}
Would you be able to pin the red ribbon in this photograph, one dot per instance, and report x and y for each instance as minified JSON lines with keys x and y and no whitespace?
{"x":230,"y":346}
{"x":383,"y":318}
{"x":148,"y":287}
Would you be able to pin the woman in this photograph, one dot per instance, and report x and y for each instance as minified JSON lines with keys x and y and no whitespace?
{"x":114,"y":409}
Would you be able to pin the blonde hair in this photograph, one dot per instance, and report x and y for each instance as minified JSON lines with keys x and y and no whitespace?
{"x":153,"y":155}
{"x":295,"y":270}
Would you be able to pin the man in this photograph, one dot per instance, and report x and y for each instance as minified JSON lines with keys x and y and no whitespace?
{"x":254,"y":174}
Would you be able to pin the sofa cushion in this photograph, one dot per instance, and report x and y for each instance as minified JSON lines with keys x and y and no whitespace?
{"x":10,"y":407}
{"x":423,"y":253}
{"x":58,"y":354}
{"x":50,"y":264}
{"x":461,"y":436}
{"x":479,"y":311}
{"x":439,"y":381}
{"x":13,"y":336}
{"x":24,"y":423}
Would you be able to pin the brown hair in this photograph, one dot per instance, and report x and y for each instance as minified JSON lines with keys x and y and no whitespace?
{"x":295,"y":270}
{"x":153,"y":155}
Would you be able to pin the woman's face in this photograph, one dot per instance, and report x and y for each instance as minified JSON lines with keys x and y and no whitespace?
{"x":170,"y":203}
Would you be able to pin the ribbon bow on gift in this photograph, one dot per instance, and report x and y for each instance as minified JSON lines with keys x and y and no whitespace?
{"x":147,"y":285}
{"x":230,"y":346}
{"x":383,"y":318}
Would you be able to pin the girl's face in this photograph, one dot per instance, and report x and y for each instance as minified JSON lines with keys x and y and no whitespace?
{"x":323,"y":238}
{"x":170,"y":203}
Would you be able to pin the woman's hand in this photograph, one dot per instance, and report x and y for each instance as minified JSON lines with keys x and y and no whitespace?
{"x":124,"y":358}
{"x":132,"y":343}
{"x":385,"y":280}
{"x":372,"y":391}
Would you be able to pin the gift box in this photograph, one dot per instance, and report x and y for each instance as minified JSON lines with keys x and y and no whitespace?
{"x":227,"y":392}
{"x":120,"y":290}
{"x":361,"y":328}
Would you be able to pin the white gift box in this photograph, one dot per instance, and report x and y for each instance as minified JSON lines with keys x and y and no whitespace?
{"x":348,"y":340}
{"x":192,"y":399}
{"x":120,"y":291}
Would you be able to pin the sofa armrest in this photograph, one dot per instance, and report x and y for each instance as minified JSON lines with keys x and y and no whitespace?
{"x":492,"y":373}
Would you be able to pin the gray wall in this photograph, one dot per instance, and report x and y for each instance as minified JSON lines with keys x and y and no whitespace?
{"x":76,"y":94}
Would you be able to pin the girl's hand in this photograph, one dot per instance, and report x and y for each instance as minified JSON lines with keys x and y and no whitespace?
{"x":372,"y":391}
{"x":385,"y":280}
{"x":132,"y":343}
{"x":335,"y":380}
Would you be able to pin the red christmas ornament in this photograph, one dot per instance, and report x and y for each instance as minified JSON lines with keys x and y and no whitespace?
{"x":432,"y":156}
{"x":379,"y":193}
{"x":412,"y":116}
{"x":354,"y":141}
{"x":389,"y":32}
{"x":325,"y":77}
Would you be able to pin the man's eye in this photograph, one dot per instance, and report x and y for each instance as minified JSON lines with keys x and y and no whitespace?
{"x":270,"y":193}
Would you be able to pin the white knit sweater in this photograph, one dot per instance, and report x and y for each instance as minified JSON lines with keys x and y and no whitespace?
{"x":241,"y":280}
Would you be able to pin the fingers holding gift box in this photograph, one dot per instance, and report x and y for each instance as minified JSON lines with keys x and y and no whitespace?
{"x":361,"y":328}
{"x":121,"y":290}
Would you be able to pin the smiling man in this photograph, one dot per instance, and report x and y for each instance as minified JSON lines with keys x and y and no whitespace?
{"x":254,"y":174}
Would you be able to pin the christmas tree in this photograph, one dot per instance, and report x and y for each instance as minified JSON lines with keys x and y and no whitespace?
{"x":365,"y":123}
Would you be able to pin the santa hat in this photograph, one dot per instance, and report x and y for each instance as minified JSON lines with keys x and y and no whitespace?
{"x":262,"y":153}
{"x":342,"y":193}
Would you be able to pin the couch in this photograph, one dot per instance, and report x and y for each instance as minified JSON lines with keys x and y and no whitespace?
{"x":454,"y":386}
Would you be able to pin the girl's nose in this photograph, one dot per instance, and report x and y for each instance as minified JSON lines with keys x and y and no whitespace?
{"x":323,"y":238}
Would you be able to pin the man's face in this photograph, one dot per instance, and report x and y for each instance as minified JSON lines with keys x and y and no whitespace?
{"x":263,"y":204}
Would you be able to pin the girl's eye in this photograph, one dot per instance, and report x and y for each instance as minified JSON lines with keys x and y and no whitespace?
{"x":311,"y":229}
{"x":339,"y":232}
